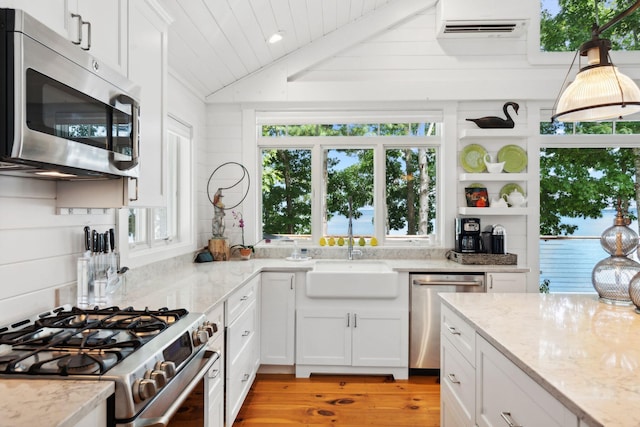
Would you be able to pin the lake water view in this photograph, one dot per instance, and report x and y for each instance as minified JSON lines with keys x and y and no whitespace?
{"x":566,"y":263}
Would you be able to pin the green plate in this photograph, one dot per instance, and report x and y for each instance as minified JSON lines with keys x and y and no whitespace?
{"x":476,"y":185}
{"x":509,"y":188}
{"x":515,"y":158}
{"x":472,"y":158}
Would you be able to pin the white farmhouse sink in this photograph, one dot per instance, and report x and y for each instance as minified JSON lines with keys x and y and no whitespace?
{"x":351,"y":279}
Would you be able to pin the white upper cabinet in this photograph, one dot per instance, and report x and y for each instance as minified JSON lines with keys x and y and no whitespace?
{"x":52,"y":13}
{"x":97,"y":26}
{"x":147,"y":63}
{"x":101,"y":28}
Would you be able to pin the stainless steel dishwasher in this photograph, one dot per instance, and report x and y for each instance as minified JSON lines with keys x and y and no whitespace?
{"x":424,"y":325}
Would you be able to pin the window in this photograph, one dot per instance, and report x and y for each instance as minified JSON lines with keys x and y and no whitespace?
{"x":310,"y":172}
{"x":585,"y":168}
{"x":150,"y":227}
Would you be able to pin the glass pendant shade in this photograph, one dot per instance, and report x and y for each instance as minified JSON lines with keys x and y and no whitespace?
{"x":598,"y":93}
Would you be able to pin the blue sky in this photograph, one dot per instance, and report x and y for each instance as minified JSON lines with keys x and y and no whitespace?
{"x":551,"y":5}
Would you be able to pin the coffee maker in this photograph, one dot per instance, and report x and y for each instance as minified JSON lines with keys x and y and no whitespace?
{"x":468,"y":237}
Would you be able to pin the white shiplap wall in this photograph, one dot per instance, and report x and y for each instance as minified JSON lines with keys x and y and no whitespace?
{"x":38,"y":247}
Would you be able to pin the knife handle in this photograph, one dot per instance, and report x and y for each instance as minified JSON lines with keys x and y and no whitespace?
{"x":87,"y":238}
{"x":106,"y":242}
{"x":94,"y":241}
{"x":112,"y":239}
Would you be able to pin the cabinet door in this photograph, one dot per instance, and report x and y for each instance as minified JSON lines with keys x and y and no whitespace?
{"x":277,"y":319}
{"x":380,"y":338}
{"x":506,"y":282}
{"x":323,"y":337}
{"x":147,"y":67}
{"x":49,"y":12}
{"x":106,"y":21}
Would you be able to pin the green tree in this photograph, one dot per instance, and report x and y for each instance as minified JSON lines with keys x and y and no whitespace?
{"x":286,"y":191}
{"x":572,"y":25}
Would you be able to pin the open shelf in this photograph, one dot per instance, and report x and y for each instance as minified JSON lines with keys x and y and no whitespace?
{"x":492,"y":211}
{"x":492,"y":133}
{"x":485,"y":176}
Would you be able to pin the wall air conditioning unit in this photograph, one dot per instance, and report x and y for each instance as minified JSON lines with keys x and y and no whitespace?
{"x":481,"y":18}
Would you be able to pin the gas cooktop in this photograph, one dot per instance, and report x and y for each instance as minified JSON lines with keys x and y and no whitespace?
{"x":79,"y":341}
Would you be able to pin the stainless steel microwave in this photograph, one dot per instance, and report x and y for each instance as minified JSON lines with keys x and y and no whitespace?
{"x":63,"y":113}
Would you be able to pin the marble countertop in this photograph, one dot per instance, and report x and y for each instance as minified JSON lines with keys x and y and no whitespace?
{"x":584,"y":352}
{"x":199,"y":287}
{"x":196,"y":287}
{"x":62,"y":403}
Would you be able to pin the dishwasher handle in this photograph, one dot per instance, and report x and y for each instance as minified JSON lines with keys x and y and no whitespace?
{"x":419,"y":282}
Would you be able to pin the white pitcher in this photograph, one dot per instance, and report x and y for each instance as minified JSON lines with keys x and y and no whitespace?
{"x":493,"y":167}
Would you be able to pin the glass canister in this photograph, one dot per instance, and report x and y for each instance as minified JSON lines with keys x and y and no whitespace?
{"x":619,"y":239}
{"x":611,"y":278}
{"x":634,"y":291}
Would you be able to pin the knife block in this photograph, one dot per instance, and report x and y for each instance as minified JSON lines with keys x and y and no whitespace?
{"x":219,"y":249}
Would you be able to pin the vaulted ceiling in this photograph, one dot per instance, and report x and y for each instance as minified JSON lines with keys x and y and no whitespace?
{"x":215,"y":43}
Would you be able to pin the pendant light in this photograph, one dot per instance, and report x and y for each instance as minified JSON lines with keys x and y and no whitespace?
{"x":600,"y":91}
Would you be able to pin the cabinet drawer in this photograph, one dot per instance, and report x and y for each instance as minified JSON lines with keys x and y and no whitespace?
{"x":458,"y":381}
{"x":241,"y":333}
{"x":240,"y":377}
{"x":461,"y":335}
{"x":505,"y":392}
{"x":241,"y":299}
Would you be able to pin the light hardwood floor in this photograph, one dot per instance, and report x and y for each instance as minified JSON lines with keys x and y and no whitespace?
{"x":344,"y":401}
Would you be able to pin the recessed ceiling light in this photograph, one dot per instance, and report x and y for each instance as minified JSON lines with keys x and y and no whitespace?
{"x":276,"y":37}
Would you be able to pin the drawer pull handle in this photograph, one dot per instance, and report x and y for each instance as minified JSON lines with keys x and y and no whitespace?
{"x":245,"y":378}
{"x":453,"y":379}
{"x":453,"y":330}
{"x":246,"y":333}
{"x":507,"y":417}
{"x":244,"y":298}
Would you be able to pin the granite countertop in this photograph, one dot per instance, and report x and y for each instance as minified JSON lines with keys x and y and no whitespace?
{"x":61,"y":403}
{"x":584,"y":352}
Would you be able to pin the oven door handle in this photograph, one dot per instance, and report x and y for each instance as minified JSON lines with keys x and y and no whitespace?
{"x":163,"y":421}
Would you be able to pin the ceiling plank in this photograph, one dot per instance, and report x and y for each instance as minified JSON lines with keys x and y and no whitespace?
{"x":388,"y":15}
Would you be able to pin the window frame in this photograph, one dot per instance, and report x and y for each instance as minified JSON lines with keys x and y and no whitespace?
{"x":183,"y":240}
{"x":379,"y":144}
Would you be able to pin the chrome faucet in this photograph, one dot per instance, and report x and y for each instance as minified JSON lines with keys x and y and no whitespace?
{"x":350,"y":250}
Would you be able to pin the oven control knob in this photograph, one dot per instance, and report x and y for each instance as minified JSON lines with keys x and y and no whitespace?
{"x":200,"y":336}
{"x":169,"y":368}
{"x":160,"y":377}
{"x":210,"y":327}
{"x":143,"y":389}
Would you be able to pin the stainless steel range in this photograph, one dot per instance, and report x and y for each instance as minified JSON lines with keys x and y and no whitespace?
{"x":155,"y":357}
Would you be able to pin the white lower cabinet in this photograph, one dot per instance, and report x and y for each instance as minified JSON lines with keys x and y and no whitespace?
{"x":329,"y":337}
{"x":506,"y":282}
{"x":506,"y":396}
{"x":242,"y":353}
{"x":457,"y":386}
{"x":277,"y":318}
{"x":214,"y":381}
{"x":485,"y":388}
